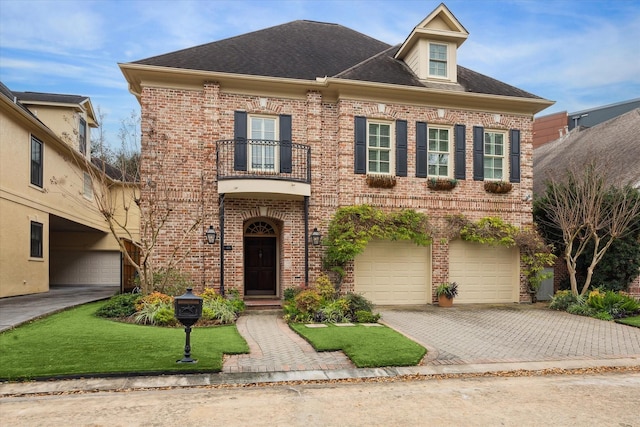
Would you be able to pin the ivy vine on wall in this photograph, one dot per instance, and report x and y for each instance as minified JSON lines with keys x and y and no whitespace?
{"x":352,"y":227}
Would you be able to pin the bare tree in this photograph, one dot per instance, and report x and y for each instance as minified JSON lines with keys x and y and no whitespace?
{"x":136,"y":211}
{"x":587,"y":206}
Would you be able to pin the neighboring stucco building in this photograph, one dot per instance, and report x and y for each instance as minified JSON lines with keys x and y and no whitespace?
{"x":266,"y":134}
{"x":50,"y":230}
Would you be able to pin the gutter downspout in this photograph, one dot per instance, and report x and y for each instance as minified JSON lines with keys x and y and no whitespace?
{"x":306,"y":241}
{"x":221,"y":244}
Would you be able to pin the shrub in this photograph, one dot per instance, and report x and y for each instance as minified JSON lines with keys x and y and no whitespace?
{"x":171,"y":282}
{"x":358,"y":302}
{"x":325,"y":288}
{"x":581,"y":310}
{"x":308,"y":301}
{"x":123,"y":305}
{"x":336,"y":311}
{"x":150,"y":305}
{"x":562,"y":300}
{"x":219,"y":310}
{"x":362,"y":316}
{"x":165,"y":316}
{"x":616,"y":304}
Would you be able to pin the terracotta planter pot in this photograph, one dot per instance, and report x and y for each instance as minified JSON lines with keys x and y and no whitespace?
{"x":443,"y":301}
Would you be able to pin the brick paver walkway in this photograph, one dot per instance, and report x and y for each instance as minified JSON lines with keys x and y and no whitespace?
{"x":274,"y":347}
{"x":462,"y":335}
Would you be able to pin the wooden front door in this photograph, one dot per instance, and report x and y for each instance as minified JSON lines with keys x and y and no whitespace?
{"x":260,"y":265}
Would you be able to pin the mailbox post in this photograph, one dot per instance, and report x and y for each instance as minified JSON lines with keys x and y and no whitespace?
{"x":188,"y":308}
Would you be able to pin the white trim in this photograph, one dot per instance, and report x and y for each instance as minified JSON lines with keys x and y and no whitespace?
{"x":392,"y":146}
{"x":449,"y":151}
{"x":505,"y":154}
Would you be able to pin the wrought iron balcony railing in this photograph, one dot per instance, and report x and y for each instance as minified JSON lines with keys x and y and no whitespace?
{"x":263,"y":159}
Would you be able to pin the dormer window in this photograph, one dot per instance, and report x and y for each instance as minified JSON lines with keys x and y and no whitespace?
{"x":437,"y":60}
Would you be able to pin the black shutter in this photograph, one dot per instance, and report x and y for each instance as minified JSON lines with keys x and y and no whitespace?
{"x":285,"y":143}
{"x":421,"y":150}
{"x":478,"y":153}
{"x":360,"y":148}
{"x":514,"y":155}
{"x":459,"y":159}
{"x":240,"y":137}
{"x":401,"y":148}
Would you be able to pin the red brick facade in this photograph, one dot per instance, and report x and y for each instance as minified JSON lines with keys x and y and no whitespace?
{"x":180,"y":129}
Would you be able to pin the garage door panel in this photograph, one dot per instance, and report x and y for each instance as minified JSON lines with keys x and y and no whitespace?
{"x":484,"y":274}
{"x":85,"y":268}
{"x":394,"y":272}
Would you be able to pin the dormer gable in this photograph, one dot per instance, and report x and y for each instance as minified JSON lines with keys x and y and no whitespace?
{"x":430,"y":51}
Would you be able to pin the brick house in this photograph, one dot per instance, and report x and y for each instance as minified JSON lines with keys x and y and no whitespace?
{"x":266,"y":134}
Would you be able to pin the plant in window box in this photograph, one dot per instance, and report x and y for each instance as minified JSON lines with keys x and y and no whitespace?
{"x":381,"y":181}
{"x":497,"y":187}
{"x":442,"y":184}
{"x":446,"y":292}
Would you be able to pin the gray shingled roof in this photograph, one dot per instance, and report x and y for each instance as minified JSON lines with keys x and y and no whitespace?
{"x":615,"y":142}
{"x":308,"y":49}
{"x":297,"y":50}
{"x":50,"y":97}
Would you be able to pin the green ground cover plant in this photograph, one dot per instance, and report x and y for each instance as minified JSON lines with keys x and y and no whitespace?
{"x":366,"y":346}
{"x":76,"y":342}
{"x":631,"y":321}
{"x":604,"y":305}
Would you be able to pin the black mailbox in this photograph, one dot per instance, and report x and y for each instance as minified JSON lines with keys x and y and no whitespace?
{"x":188,"y":308}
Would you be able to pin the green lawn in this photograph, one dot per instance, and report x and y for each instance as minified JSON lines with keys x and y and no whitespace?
{"x":632,"y":321}
{"x":366,"y":346}
{"x":75,"y":342}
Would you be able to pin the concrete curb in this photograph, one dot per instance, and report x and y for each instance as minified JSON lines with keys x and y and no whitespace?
{"x":236,"y":379}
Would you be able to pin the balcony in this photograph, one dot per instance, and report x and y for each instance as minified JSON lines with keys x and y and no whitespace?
{"x":259,"y":168}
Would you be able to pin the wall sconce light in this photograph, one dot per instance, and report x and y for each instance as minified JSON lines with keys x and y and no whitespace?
{"x":211,"y":235}
{"x":315,"y":237}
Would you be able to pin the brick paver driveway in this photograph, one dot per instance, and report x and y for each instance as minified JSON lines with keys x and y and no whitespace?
{"x":510,"y":333}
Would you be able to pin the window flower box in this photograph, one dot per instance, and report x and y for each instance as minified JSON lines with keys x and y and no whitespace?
{"x":442,"y":184}
{"x":497,"y":187}
{"x":381,"y":181}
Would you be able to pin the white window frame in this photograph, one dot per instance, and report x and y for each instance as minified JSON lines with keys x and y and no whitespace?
{"x":438,"y":61}
{"x":87,"y":186}
{"x":438,"y":152}
{"x":493,"y":156}
{"x":391,"y":149}
{"x":263,"y":148}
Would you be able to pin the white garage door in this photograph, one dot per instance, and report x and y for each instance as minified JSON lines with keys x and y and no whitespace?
{"x":485,"y":274}
{"x":391,"y":273}
{"x":85,"y":268}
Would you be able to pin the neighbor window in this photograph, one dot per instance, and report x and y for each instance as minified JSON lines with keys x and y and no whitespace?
{"x":88,"y":186}
{"x":494,"y":155}
{"x":263,"y":133}
{"x":36,"y":162}
{"x":379,"y":148}
{"x":36,"y":240}
{"x":82,"y":136}
{"x":439,"y":152}
{"x":438,"y":60}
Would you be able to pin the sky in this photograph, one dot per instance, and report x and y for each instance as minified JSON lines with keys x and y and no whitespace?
{"x":579,"y":53}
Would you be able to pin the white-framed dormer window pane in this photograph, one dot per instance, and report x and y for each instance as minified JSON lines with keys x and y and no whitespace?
{"x":379,"y":148}
{"x":439,"y":152}
{"x":494,"y":155}
{"x":438,"y":60}
{"x":263,"y":143}
{"x":87,"y":186}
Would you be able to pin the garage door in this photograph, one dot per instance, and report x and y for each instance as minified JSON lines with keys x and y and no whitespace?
{"x":394,"y":273}
{"x":85,"y":268}
{"x":485,"y":274}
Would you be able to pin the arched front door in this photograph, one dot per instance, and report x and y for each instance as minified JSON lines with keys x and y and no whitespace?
{"x":260,"y":259}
